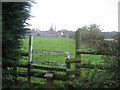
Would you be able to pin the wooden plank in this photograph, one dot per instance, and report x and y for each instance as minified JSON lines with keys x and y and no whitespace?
{"x":79,"y":51}
{"x":73,"y":60}
{"x":48,"y":75}
{"x":49,"y":81}
{"x":69,"y":71}
{"x":50,"y":52}
{"x":43,"y":68}
{"x":79,"y":66}
{"x":49,"y":63}
{"x":48,"y":68}
{"x":41,"y":75}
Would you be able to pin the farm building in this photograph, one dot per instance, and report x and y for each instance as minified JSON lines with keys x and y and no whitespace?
{"x":50,"y":33}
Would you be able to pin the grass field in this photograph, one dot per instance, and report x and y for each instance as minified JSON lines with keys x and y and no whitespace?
{"x":56,"y":44}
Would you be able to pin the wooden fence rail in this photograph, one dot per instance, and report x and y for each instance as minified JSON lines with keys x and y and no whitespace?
{"x":41,"y":75}
{"x":42,"y":68}
{"x":49,"y":63}
{"x":50,"y":52}
{"x":79,"y":51}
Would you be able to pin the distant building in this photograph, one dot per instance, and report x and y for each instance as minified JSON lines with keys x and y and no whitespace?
{"x":50,"y":33}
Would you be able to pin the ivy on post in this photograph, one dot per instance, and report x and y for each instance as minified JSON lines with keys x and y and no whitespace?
{"x":29,"y":59}
{"x":77,"y":55}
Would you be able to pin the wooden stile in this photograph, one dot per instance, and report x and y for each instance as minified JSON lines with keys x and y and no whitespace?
{"x":50,"y":76}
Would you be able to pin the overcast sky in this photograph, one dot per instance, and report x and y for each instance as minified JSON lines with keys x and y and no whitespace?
{"x":74,"y":14}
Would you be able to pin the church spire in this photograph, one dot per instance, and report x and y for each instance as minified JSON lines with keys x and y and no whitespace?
{"x":51,"y":29}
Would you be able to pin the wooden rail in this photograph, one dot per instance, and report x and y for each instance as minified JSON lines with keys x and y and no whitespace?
{"x":42,"y":68}
{"x":41,"y":75}
{"x":74,"y":60}
{"x":49,"y":63}
{"x":79,"y":51}
{"x":50,"y":52}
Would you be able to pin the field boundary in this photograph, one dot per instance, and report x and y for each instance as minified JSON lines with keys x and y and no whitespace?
{"x":50,"y":75}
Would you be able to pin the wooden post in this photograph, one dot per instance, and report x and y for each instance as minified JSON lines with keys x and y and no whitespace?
{"x":67,"y":74}
{"x":29,"y":59}
{"x":67,"y":63}
{"x":77,"y":56}
{"x":49,"y":81}
{"x":30,"y":48}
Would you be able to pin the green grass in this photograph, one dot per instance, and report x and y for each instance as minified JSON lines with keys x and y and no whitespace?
{"x":56,"y":44}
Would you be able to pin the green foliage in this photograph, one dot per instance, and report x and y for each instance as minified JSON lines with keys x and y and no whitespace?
{"x":95,"y":78}
{"x":91,"y":33}
{"x":14,"y":16}
{"x":112,"y":48}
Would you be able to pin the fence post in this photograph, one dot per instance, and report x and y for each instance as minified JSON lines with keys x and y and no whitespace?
{"x":49,"y":80}
{"x":68,"y":68}
{"x":77,"y":56}
{"x":29,"y":59}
